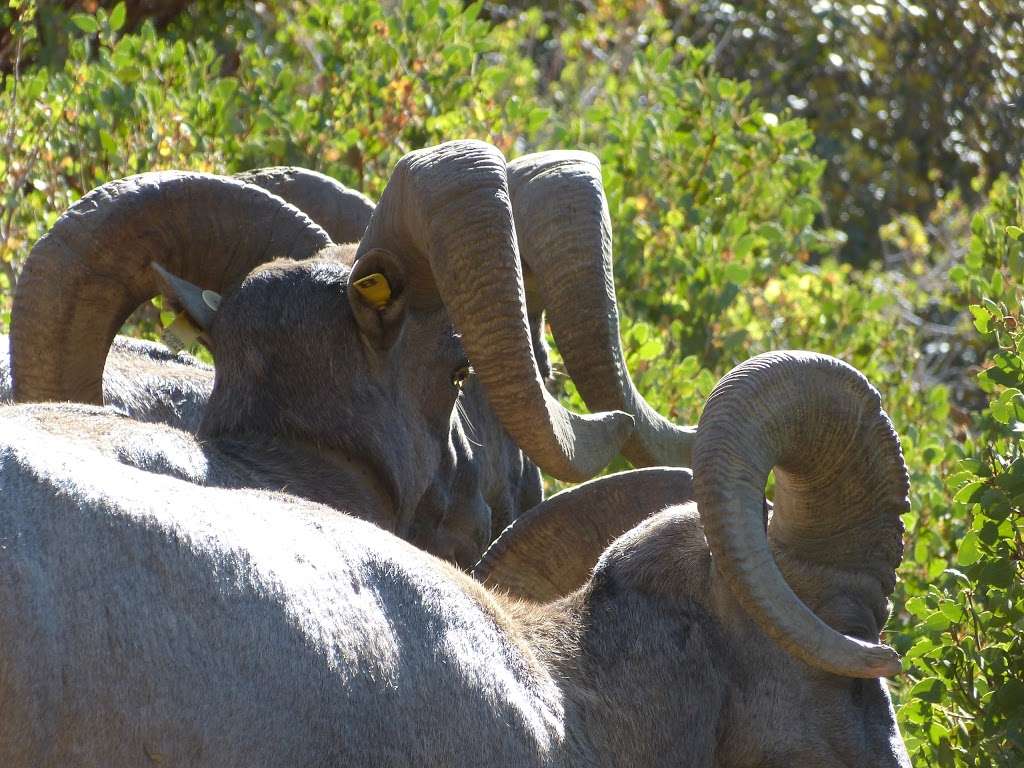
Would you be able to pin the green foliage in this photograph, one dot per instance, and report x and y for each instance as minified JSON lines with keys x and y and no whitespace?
{"x":341,"y":87}
{"x":712,"y":191}
{"x":716,"y":208}
{"x":966,"y":703}
{"x":908,"y":101}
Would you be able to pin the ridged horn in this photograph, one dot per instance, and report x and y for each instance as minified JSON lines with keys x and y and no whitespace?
{"x":446,"y":212}
{"x":91,"y":270}
{"x":550,"y":550}
{"x":565,"y":239}
{"x":840,"y":487}
{"x":342,"y":212}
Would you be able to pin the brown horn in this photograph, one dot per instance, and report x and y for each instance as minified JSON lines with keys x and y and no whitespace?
{"x":91,"y":270}
{"x":446,"y":211}
{"x":839,"y":478}
{"x":550,"y":550}
{"x":342,"y":212}
{"x":565,"y":239}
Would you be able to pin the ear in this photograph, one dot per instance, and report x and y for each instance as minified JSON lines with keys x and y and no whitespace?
{"x":376,"y":293}
{"x":201,"y":305}
{"x":550,"y":550}
{"x":200,"y":308}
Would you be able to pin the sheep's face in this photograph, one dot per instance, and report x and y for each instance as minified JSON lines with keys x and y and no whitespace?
{"x":303,"y":356}
{"x":803,"y":716}
{"x":767,"y":707}
{"x":809,"y":716}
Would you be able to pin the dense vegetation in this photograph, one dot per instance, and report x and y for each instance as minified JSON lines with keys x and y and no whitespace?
{"x":720,"y":201}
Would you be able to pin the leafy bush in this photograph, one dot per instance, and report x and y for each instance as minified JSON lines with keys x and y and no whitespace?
{"x":966,"y":704}
{"x":908,"y":101}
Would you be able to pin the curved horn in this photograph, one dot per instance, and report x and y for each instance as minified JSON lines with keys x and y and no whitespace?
{"x":550,"y":550}
{"x":446,"y":211}
{"x":91,"y":270}
{"x":840,"y":482}
{"x":565,"y":239}
{"x":342,"y":212}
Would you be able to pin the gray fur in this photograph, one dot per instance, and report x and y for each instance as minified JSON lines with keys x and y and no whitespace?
{"x":144,"y":380}
{"x":146,"y":620}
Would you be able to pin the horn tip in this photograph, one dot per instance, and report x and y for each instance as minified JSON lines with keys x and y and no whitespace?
{"x":620,"y":423}
{"x":617,"y":427}
{"x":598,"y":438}
{"x":878,"y":660}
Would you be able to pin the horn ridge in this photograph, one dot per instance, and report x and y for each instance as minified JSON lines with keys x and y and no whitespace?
{"x":91,"y":269}
{"x":819,"y":424}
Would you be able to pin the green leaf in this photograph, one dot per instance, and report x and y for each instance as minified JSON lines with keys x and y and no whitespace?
{"x":982,"y":317}
{"x":920,"y":648}
{"x":117,"y":16}
{"x":1014,"y":232}
{"x":537,"y":118}
{"x":1009,"y":406}
{"x":473,"y":10}
{"x":85,"y":22}
{"x":966,"y":494}
{"x":959,"y":575}
{"x":935,"y":622}
{"x":726,"y":89}
{"x":918,"y":606}
{"x":958,"y":273}
{"x":930,"y":689}
{"x":978,"y":222}
{"x":108,"y":143}
{"x":998,"y":573}
{"x":736,"y":272}
{"x":969,"y":551}
{"x":745,"y":245}
{"x":953,"y":612}
{"x":650,"y":350}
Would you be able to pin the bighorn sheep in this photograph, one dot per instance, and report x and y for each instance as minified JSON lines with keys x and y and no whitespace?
{"x":241,"y":628}
{"x":320,"y":386}
{"x":143,"y":380}
{"x":564,"y":235}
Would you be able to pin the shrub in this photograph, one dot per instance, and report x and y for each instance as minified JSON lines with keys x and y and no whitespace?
{"x":966,"y":703}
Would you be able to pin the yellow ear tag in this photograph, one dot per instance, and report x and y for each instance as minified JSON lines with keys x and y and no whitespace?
{"x":180,"y":334}
{"x":374,"y":289}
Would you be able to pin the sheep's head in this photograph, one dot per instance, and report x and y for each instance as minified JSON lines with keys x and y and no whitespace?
{"x":317,"y":352}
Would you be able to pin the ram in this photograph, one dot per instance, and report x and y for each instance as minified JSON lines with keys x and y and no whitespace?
{"x":146,"y":381}
{"x":145,"y":620}
{"x":564,"y":235}
{"x":336,"y":382}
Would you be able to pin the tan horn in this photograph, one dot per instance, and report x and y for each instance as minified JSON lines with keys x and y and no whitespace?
{"x":91,"y":270}
{"x":550,"y":550}
{"x":342,"y":212}
{"x":840,"y":477}
{"x":565,"y":239}
{"x":446,"y":212}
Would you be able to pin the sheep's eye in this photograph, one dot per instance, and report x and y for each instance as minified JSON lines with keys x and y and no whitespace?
{"x":460,"y":376}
